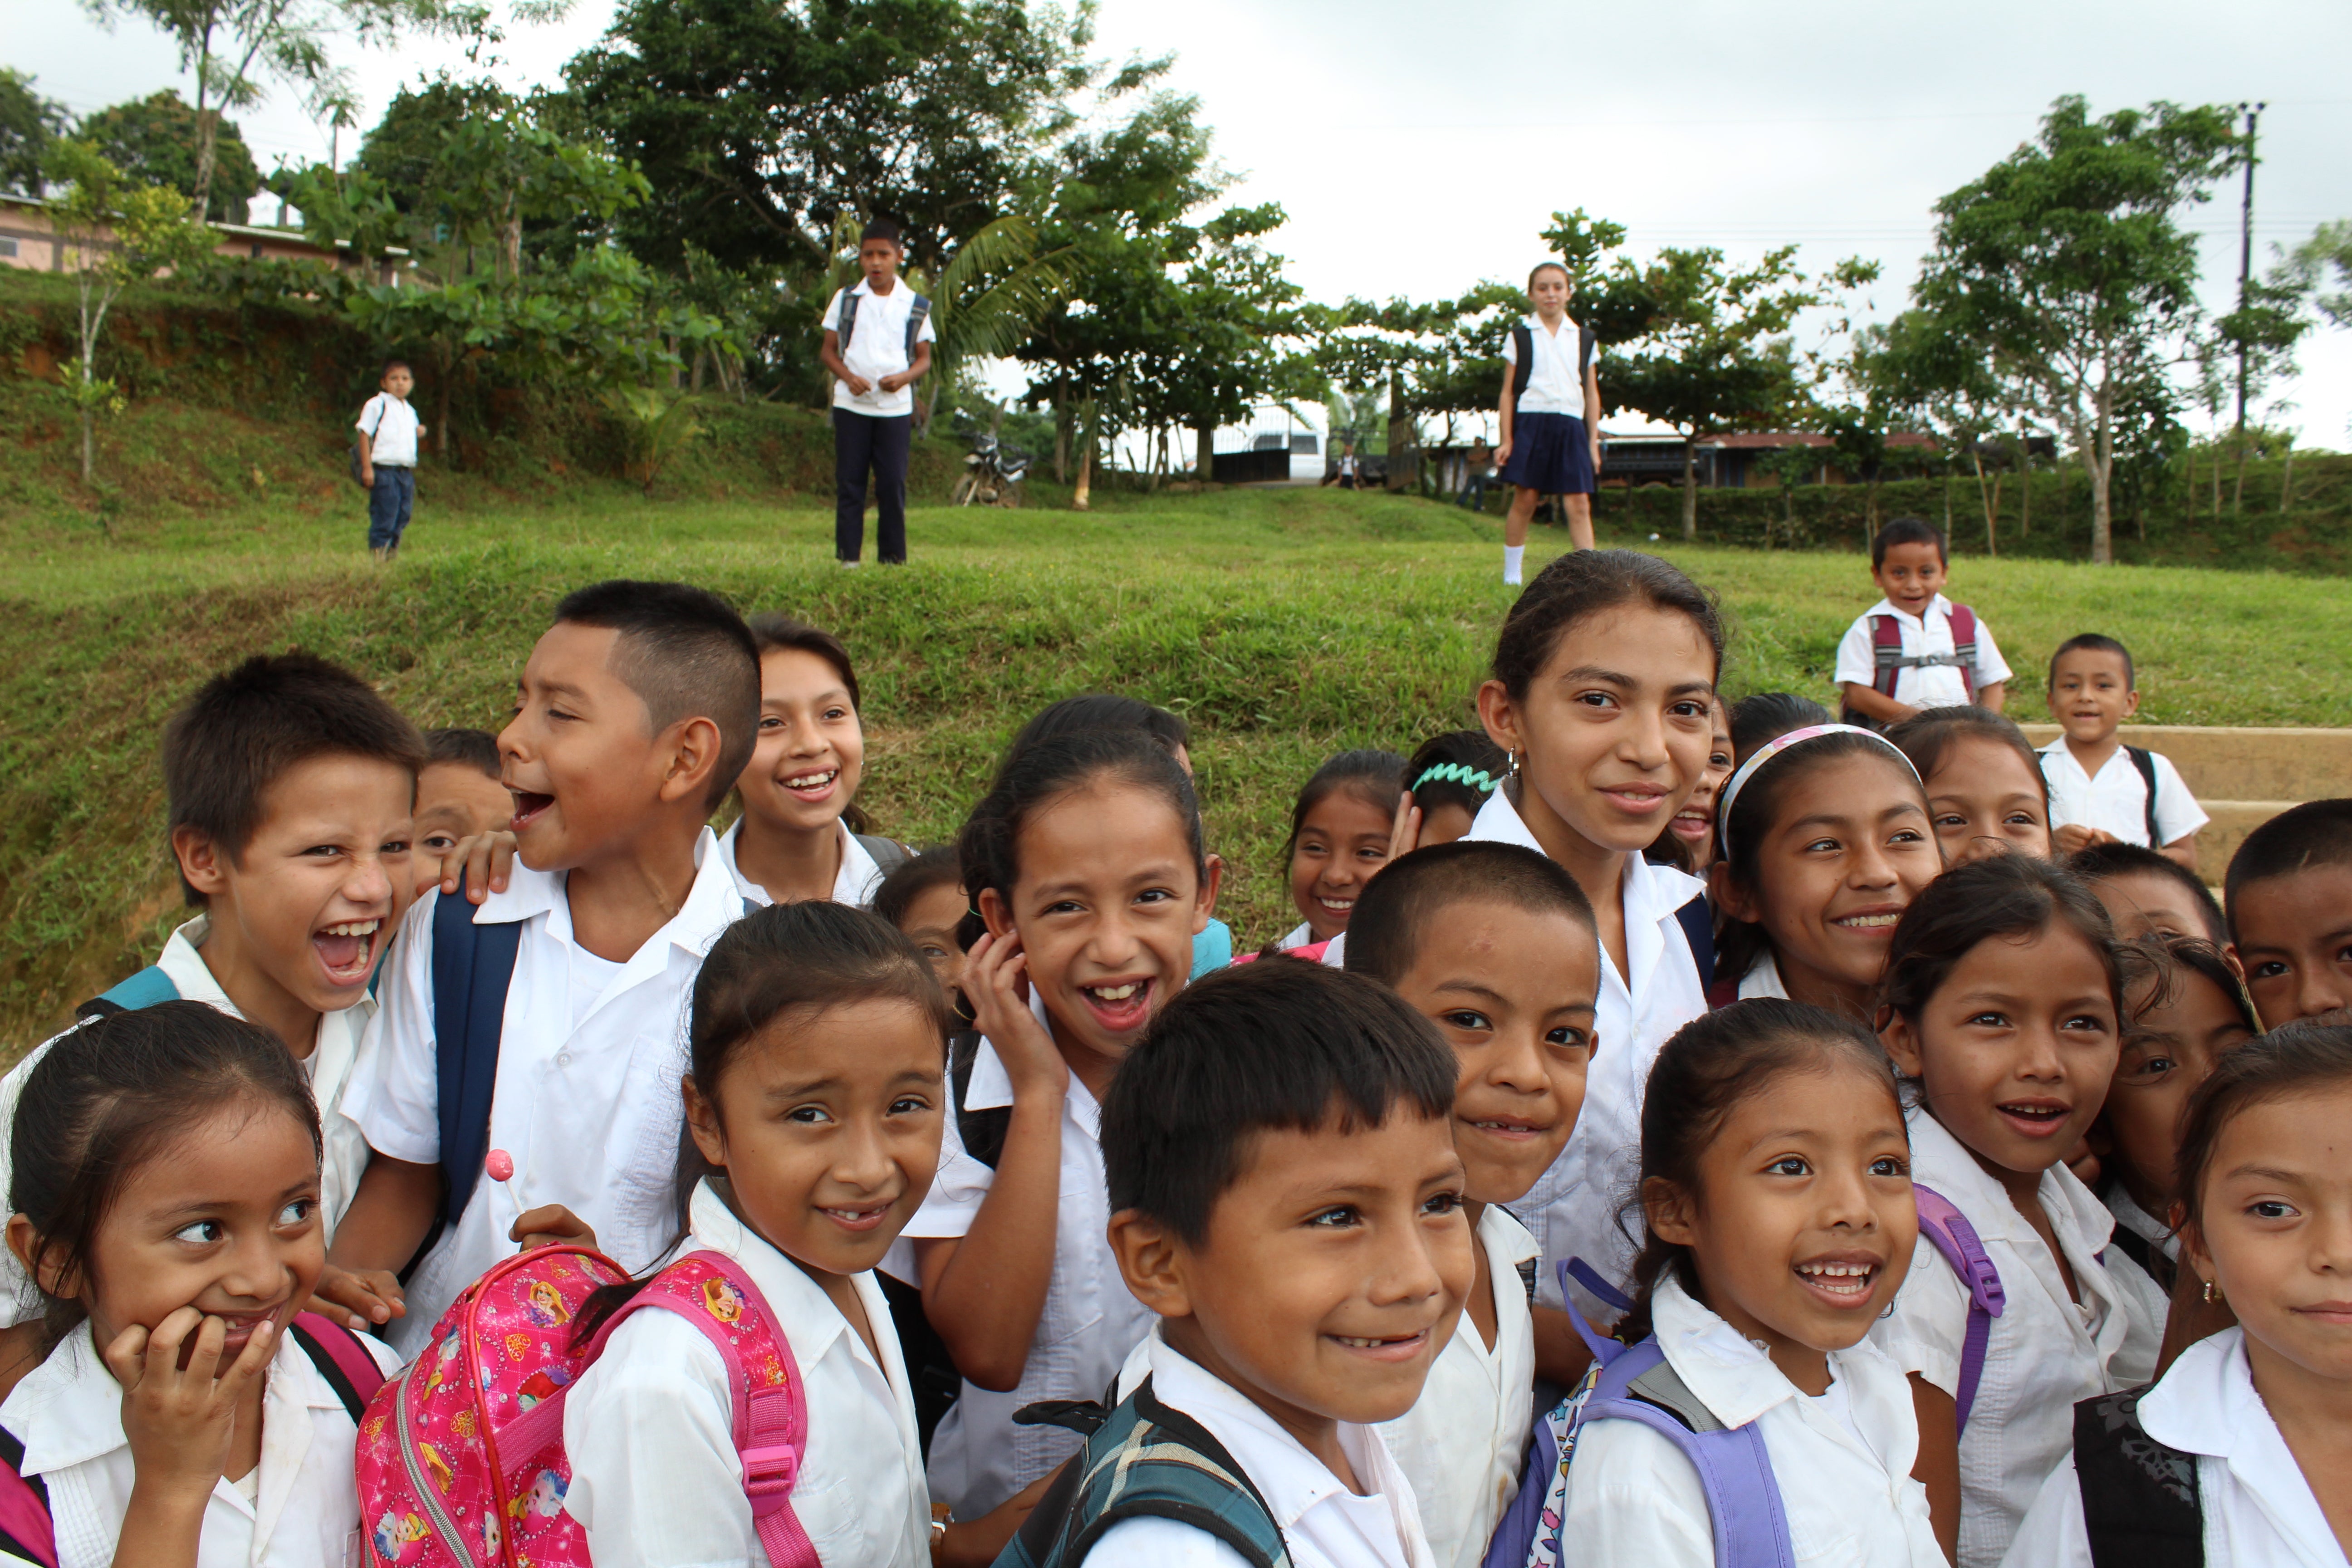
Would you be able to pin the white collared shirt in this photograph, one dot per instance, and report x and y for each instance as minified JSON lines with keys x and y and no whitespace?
{"x":304,"y":1513}
{"x":334,"y":1054}
{"x":589,"y":1111}
{"x":1940,"y":686}
{"x":1573,"y":1207}
{"x":877,"y":347}
{"x":853,"y":884}
{"x":1463,"y":1443}
{"x":1763,"y":978}
{"x":1844,"y":1465}
{"x":1553,"y":384}
{"x":2260,"y":1511}
{"x":390,"y":426}
{"x":1090,"y":1322}
{"x":656,"y":1480}
{"x":2044,"y":1352}
{"x":1323,"y":1524}
{"x":2116,"y":800}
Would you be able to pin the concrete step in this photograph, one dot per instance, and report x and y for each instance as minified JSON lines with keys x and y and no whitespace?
{"x":2248,"y":763}
{"x":2231,"y":821}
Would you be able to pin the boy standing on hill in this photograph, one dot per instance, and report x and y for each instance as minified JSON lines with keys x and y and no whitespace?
{"x":388,"y":429}
{"x":2101,"y":789}
{"x":1914,"y":649}
{"x":878,"y":344}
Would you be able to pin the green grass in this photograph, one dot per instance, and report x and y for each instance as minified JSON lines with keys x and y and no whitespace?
{"x":1286,"y":624}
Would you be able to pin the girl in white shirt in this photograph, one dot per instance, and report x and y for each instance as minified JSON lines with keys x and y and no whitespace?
{"x":2259,"y":1416}
{"x":2003,"y":1003}
{"x":798,"y":836}
{"x":1339,"y":835}
{"x":1779,"y":1224}
{"x":1986,"y":792}
{"x":1825,"y":842}
{"x":165,"y":1197}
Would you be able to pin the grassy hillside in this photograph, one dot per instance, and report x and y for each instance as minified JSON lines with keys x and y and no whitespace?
{"x":1287,"y":624}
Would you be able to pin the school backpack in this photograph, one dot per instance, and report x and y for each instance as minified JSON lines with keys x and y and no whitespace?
{"x":1888,"y":661}
{"x":847,"y":322}
{"x":2141,"y":1508}
{"x":1142,"y":1460}
{"x":461,"y":1461}
{"x":27,"y":1527}
{"x":1523,"y":344}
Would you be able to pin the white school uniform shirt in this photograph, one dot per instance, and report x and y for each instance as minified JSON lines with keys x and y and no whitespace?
{"x":1323,"y":1524}
{"x":329,"y":1068}
{"x":853,"y":884}
{"x":390,"y":426}
{"x":303,"y":1512}
{"x":656,"y":1482}
{"x":2044,"y":1352}
{"x":877,"y":347}
{"x":2259,"y":1511}
{"x":1463,"y":1443}
{"x":1938,"y":687}
{"x":2130,"y":1216}
{"x":1553,"y":386}
{"x":586,"y":1097}
{"x":1573,"y":1207}
{"x":1763,"y":979}
{"x":1843,"y":1460}
{"x":2116,"y":800}
{"x":1090,"y":1321}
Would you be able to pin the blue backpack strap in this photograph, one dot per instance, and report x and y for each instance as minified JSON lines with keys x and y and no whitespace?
{"x":1949,"y":1231}
{"x":915,"y":314}
{"x":1698,"y":920}
{"x":2144,"y":761}
{"x":848,"y":319}
{"x":2141,"y":1504}
{"x":472,"y":967}
{"x":144,"y":989}
{"x":27,"y":1528}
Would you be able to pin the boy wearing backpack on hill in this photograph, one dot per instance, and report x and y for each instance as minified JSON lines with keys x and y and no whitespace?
{"x":1550,"y":414}
{"x":878,"y":344}
{"x":544,"y":1021}
{"x":1914,"y":649}
{"x":2101,"y":789}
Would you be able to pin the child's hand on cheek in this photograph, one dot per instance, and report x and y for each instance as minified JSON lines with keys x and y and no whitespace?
{"x":181,"y":1423}
{"x":995,"y":976}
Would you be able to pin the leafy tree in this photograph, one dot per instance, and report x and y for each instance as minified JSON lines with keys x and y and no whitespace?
{"x":2326,"y":256}
{"x":403,"y":149}
{"x":154,"y":139}
{"x":1917,"y":365}
{"x":2065,"y":265}
{"x":28,"y":125}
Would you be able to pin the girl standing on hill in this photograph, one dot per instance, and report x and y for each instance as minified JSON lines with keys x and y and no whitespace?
{"x":1550,"y":414}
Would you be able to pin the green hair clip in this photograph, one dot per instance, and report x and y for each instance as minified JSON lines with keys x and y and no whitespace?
{"x":1478,"y":779}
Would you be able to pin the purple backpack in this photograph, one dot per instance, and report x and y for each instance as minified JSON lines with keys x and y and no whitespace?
{"x":1949,"y":1232}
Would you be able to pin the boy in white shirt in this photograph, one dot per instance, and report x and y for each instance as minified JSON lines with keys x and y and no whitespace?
{"x":2101,"y":789}
{"x":388,"y":429}
{"x":878,"y":344}
{"x":1914,"y":649}
{"x":637,"y":711}
{"x":1279,"y":1152}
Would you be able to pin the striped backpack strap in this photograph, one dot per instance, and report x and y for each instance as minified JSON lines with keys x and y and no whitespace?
{"x":340,"y":1359}
{"x":144,"y":989}
{"x":1964,"y":647}
{"x":27,"y":1530}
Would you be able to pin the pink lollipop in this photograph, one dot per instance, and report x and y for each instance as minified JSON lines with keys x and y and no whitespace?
{"x":500,"y":1165}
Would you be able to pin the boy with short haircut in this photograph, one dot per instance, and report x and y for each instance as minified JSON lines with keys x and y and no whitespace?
{"x":2101,"y":789}
{"x":1914,"y":649}
{"x":878,"y":344}
{"x":1495,"y":945}
{"x":288,"y":784}
{"x":553,"y":1032}
{"x":2289,"y":896}
{"x":459,"y":796}
{"x":388,"y":428}
{"x":1280,"y":1159}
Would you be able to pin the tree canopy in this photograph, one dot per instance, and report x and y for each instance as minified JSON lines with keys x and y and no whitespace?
{"x":154,"y":140}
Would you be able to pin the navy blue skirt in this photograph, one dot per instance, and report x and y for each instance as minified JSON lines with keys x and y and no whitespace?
{"x":1549,"y":455}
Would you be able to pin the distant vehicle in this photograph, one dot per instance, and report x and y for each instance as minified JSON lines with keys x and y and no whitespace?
{"x":992,"y":475}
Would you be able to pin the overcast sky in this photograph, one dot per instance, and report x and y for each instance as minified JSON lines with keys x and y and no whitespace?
{"x":1420,"y":146}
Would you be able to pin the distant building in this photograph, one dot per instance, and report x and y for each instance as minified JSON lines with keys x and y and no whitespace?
{"x":1735,"y":462}
{"x":29,"y":240}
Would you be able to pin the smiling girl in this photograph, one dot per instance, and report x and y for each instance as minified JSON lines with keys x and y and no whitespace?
{"x":2003,"y":1001}
{"x":1688,"y":842}
{"x":1339,"y":834}
{"x":1985,"y":789}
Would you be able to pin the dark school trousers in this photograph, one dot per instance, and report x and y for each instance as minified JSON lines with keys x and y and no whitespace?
{"x":863,"y":441}
{"x":390,"y":501}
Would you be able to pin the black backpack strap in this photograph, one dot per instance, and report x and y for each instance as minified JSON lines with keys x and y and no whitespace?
{"x":472,"y":967}
{"x":915,"y":314}
{"x":27,"y":1528}
{"x":888,"y":853}
{"x":1523,"y":342}
{"x":2140,"y":1502}
{"x":982,"y":1131}
{"x":932,"y":1373}
{"x":2145,"y":761}
{"x":847,"y":319}
{"x":1585,"y":343}
{"x":1698,"y":920}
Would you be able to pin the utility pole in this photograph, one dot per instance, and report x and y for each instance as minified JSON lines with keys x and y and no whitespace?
{"x":2246,"y":252}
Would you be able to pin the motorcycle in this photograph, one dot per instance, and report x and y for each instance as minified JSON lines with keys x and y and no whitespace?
{"x":993,"y":474}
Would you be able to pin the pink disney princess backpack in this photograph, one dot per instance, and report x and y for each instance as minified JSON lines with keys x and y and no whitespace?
{"x":461,"y":1461}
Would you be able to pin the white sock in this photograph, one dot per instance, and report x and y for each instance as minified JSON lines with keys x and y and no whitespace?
{"x":1511,"y":556}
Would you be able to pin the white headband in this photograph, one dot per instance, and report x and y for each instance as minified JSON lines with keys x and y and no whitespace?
{"x":1773,"y":748}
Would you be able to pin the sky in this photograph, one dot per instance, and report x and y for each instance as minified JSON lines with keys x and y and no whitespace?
{"x":1419,"y":147}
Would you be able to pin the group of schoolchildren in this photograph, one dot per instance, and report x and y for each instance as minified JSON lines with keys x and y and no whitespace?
{"x":1676,"y":1133}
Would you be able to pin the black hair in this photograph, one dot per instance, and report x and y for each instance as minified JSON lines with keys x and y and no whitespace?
{"x":244,"y":730}
{"x":394,"y":364}
{"x":2099,"y":862}
{"x":1037,"y":776}
{"x":475,"y":749}
{"x":1461,"y":752}
{"x":1587,"y":582}
{"x":2307,"y":1053}
{"x":773,"y":631}
{"x":914,"y":877}
{"x":782,"y":962}
{"x":1103,"y":710}
{"x":1404,"y":895}
{"x":1778,"y":783}
{"x":686,"y":654}
{"x":882,"y":226}
{"x":1908,"y":531}
{"x":114,"y":1093}
{"x":2170,"y":956}
{"x":2093,"y":642}
{"x":1266,"y":1046}
{"x":1701,"y":1075}
{"x":1376,"y":778}
{"x":2003,"y":896}
{"x":1929,"y":733}
{"x":2300,"y":839}
{"x":1768,"y":716}
{"x":1540,"y":268}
